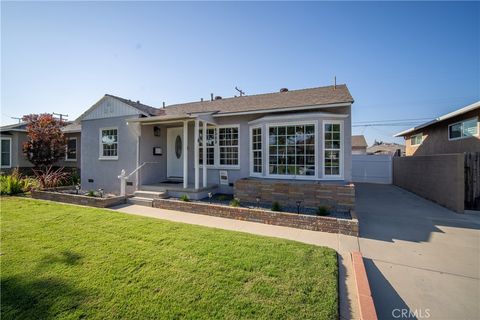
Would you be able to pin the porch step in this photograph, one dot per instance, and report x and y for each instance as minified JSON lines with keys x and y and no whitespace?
{"x":147,"y":202}
{"x":150,"y":194}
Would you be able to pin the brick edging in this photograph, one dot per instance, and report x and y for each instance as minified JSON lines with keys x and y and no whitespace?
{"x":285,"y":219}
{"x":364,"y":295}
{"x":77,"y":199}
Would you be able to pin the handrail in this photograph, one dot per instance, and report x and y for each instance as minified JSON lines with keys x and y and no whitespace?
{"x":139,"y":167}
{"x":123,"y":177}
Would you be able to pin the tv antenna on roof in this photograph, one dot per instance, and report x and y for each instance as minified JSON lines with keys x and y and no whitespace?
{"x":16,"y":118}
{"x":242,"y":93}
{"x":60,"y":115}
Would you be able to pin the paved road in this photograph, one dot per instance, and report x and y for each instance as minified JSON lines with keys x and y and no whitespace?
{"x":419,"y":256}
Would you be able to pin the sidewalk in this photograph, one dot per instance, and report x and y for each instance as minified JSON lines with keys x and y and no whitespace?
{"x":341,"y":243}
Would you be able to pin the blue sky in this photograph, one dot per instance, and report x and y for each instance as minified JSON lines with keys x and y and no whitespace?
{"x":400,"y":60}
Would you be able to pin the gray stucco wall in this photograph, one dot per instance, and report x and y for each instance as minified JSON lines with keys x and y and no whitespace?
{"x":104,"y":173}
{"x":154,"y":173}
{"x":18,"y":159}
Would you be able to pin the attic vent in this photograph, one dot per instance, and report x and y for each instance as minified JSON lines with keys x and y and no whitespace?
{"x":218,"y":97}
{"x":284,"y":90}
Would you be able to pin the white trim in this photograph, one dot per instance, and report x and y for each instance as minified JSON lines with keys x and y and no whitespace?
{"x":100,"y":144}
{"x":204,"y":153}
{"x":462,"y":137}
{"x":10,"y":151}
{"x":76,"y":150}
{"x":217,"y":148}
{"x":460,"y":111}
{"x":250,"y":146}
{"x":298,"y":116}
{"x":267,"y":146}
{"x":96,"y":104}
{"x":196,"y":154}
{"x":185,"y":154}
{"x":271,"y":110}
{"x":418,"y":134}
{"x":341,"y":161}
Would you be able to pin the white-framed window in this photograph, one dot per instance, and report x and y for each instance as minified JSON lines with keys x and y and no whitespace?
{"x":416,"y":139}
{"x":333,"y":149}
{"x":71,"y":149}
{"x":256,"y":153}
{"x":228,"y":146}
{"x":6,"y":152}
{"x":108,"y":144}
{"x":292,"y":150}
{"x":211,"y":138}
{"x":463,"y":129}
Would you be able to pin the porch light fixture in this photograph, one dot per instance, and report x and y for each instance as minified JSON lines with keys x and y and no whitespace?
{"x":298,"y":206}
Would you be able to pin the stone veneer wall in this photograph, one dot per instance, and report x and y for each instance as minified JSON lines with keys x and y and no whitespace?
{"x":300,"y":221}
{"x":78,"y":199}
{"x":287,"y":193}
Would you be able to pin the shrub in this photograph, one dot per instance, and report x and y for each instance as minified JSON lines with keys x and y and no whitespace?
{"x":223,"y":197}
{"x":185,"y":198}
{"x":73,"y":178}
{"x":11,"y":184}
{"x":49,"y":177}
{"x":322,"y":211}
{"x":30,"y":184}
{"x":276,"y":206}
{"x":90,"y":193}
{"x":235,"y":202}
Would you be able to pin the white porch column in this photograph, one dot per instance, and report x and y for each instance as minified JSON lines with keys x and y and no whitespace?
{"x":204,"y":155}
{"x":185,"y":154}
{"x":196,"y":153}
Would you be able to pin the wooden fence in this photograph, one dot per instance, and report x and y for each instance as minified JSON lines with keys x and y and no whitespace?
{"x":472,"y":181}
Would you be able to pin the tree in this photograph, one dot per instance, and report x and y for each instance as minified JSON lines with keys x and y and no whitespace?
{"x":45,"y":143}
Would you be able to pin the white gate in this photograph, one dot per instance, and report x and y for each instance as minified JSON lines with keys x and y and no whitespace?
{"x":372,"y":168}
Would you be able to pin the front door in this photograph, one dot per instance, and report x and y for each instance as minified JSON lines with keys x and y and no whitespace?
{"x":175,"y":152}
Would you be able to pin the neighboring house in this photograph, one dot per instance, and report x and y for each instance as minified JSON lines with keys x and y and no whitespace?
{"x":12,"y":139}
{"x":208,"y":145}
{"x":359,"y":145}
{"x":455,"y":132}
{"x":387,"y":148}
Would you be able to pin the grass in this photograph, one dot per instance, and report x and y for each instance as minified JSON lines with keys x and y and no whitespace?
{"x":69,"y":262}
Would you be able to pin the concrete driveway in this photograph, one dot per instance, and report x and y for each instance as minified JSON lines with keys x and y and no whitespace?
{"x":419,"y":256}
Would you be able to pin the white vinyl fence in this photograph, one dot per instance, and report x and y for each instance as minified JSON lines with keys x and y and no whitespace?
{"x":372,"y":168}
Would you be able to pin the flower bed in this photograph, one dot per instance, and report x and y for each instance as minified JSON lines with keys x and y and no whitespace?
{"x":301,"y":221}
{"x":68,"y":195}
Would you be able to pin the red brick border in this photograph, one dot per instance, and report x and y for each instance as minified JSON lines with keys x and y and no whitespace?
{"x":364,"y":295}
{"x":300,"y":221}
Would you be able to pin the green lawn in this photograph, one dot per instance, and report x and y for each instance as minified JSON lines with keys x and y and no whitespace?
{"x":70,"y":262}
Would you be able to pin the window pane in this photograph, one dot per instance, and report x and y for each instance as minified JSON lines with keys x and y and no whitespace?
{"x":5,"y":153}
{"x":288,"y":146}
{"x":332,"y":145}
{"x":470,"y":128}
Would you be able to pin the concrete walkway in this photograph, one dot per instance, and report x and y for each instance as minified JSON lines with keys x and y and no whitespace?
{"x":419,"y":256}
{"x":341,"y":243}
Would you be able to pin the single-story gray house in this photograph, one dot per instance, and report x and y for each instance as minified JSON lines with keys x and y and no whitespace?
{"x":206,"y":146}
{"x":13,"y":136}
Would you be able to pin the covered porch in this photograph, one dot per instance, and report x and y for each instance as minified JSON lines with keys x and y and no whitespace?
{"x":169,"y":155}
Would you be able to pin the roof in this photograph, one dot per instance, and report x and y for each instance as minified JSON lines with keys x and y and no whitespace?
{"x":14,"y":127}
{"x":21,"y":127}
{"x":72,"y":128}
{"x":139,"y":106}
{"x":267,"y":101}
{"x":359,"y":142}
{"x":386,"y":147}
{"x":447,"y":116}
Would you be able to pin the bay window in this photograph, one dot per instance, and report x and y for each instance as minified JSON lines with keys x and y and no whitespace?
{"x":291,"y":150}
{"x":333,"y":144}
{"x":256,"y":151}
